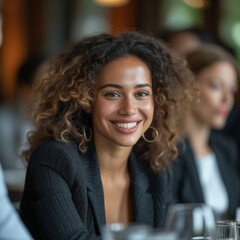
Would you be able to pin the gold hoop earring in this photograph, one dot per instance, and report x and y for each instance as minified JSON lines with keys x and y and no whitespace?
{"x":85,"y":135}
{"x":156,"y":136}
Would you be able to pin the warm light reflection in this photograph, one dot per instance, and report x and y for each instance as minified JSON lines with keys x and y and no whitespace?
{"x":197,"y":3}
{"x":112,"y":3}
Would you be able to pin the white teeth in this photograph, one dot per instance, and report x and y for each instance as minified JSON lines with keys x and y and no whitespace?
{"x":126,"y":125}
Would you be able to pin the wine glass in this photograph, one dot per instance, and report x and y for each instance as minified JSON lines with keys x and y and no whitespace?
{"x":122,"y":231}
{"x":238,"y":214}
{"x":238,"y":229}
{"x":191,"y":221}
{"x":162,"y":235}
{"x":226,"y":230}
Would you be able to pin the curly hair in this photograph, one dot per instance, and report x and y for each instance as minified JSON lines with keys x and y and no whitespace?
{"x":62,"y":99}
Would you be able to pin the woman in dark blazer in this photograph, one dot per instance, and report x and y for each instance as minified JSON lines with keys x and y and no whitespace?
{"x":106,"y":127}
{"x":206,"y":171}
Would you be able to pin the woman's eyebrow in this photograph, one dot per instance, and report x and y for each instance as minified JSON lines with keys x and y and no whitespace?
{"x":111,"y":85}
{"x":143,"y":85}
{"x":121,"y":87}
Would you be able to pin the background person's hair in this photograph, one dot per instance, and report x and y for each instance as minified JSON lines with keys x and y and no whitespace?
{"x":200,"y":33}
{"x":63,"y":99}
{"x":208,"y":54}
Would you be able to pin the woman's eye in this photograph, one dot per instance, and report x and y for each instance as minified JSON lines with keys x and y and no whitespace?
{"x":112,"y":94}
{"x":215,"y":85}
{"x":142,"y":94}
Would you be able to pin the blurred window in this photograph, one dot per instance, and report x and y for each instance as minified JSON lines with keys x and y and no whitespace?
{"x":230,"y":25}
{"x":180,"y":14}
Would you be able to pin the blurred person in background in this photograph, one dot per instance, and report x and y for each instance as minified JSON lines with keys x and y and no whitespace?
{"x":186,"y":40}
{"x":15,"y":123}
{"x":11,"y":226}
{"x":206,"y":170}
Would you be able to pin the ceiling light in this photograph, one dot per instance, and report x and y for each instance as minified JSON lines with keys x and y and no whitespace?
{"x":197,"y":3}
{"x":112,"y":3}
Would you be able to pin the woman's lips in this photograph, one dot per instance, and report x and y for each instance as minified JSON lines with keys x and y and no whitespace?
{"x":223,"y":112}
{"x":126,"y":127}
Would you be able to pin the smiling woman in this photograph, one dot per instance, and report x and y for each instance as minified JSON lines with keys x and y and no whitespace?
{"x":88,"y":162}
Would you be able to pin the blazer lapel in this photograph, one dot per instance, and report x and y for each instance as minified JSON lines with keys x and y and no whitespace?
{"x":94,"y":186}
{"x":143,"y":202}
{"x":193,"y":172}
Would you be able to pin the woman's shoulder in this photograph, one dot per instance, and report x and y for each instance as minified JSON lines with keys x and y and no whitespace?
{"x":222,"y":140}
{"x":55,"y":147}
{"x":55,"y":154}
{"x":224,"y":145}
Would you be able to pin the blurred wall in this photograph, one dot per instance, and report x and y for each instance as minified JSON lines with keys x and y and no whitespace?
{"x":32,"y":27}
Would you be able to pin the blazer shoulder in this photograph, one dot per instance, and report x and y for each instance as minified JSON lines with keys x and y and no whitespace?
{"x":223,"y":141}
{"x":224,"y":145}
{"x":57,"y":155}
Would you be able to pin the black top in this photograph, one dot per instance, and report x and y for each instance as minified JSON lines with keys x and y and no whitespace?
{"x":63,"y":196}
{"x":187,"y":186}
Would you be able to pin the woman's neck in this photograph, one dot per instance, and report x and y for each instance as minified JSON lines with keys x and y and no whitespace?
{"x":198,"y":134}
{"x":118,"y":199}
{"x":113,"y":159}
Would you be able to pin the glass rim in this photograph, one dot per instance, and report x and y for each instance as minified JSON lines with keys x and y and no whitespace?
{"x":189,"y":206}
{"x":225,"y":223}
{"x":120,"y":226}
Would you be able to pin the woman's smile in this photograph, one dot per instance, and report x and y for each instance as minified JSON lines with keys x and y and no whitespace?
{"x":126,"y":125}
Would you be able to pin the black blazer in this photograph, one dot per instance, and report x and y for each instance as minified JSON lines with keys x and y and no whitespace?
{"x":187,"y":187}
{"x":63,"y":196}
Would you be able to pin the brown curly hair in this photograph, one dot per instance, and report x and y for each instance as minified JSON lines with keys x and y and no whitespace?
{"x":62,"y":99}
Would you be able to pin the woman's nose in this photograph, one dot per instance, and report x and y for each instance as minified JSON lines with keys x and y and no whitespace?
{"x":128,"y":106}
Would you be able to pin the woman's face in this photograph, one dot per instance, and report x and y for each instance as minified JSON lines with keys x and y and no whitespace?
{"x":124,"y":106}
{"x":217,"y":83}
